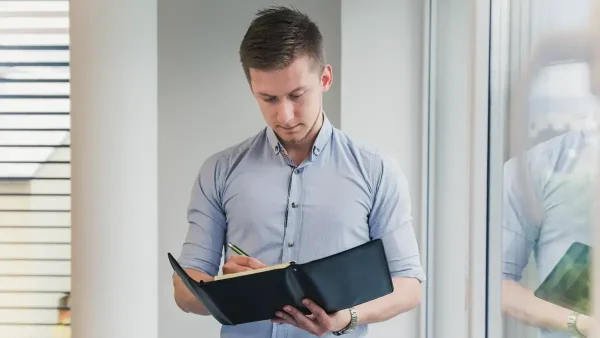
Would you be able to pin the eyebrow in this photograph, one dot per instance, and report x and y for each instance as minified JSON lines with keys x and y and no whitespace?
{"x":295,"y":90}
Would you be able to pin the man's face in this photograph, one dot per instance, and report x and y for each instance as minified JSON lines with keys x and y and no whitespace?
{"x":290,"y":99}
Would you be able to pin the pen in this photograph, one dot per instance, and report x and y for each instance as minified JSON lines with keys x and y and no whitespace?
{"x":237,"y":250}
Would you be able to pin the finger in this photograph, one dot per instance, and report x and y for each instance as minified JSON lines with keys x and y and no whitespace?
{"x":320,"y":315}
{"x":232,"y":267}
{"x":248,"y":261}
{"x":285,"y":318}
{"x":303,"y":321}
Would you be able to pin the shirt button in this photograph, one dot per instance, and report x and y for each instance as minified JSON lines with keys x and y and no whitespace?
{"x":290,"y":244}
{"x":294,"y":205}
{"x":297,"y":171}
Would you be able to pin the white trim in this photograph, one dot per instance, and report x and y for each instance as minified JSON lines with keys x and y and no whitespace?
{"x":427,"y":161}
{"x":479,"y":116}
{"x":458,"y":129}
{"x":499,"y":103}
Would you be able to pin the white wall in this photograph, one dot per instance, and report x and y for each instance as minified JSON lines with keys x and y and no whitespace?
{"x":382,"y":71}
{"x":204,"y":106}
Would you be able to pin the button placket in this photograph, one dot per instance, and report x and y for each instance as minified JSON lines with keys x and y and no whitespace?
{"x":293,"y":217}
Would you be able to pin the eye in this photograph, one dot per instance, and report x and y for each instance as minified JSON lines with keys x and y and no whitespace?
{"x":270,"y":99}
{"x":295,"y":96}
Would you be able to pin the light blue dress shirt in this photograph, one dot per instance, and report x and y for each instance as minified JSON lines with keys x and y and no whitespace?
{"x":341,"y":196}
{"x":554,"y":209}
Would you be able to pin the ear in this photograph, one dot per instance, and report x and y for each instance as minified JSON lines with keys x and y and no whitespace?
{"x":326,"y":78}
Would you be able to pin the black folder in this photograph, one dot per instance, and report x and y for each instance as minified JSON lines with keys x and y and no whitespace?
{"x":335,"y":282}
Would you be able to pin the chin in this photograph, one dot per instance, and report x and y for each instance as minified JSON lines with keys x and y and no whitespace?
{"x":294,"y":139}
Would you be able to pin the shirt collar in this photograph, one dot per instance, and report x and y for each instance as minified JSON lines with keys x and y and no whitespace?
{"x":320,"y":142}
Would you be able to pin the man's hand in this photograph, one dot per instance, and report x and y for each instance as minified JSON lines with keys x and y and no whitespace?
{"x":318,"y":323}
{"x":241,"y":263}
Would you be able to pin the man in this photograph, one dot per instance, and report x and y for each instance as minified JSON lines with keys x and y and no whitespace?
{"x":297,"y":191}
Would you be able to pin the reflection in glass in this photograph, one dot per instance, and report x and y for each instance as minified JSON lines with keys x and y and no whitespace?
{"x":35,"y":245}
{"x":34,"y":105}
{"x":34,"y":39}
{"x":32,"y":121}
{"x":551,"y":176}
{"x":61,"y":55}
{"x":45,"y":138}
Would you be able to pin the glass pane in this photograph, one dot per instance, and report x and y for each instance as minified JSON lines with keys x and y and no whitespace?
{"x":550,"y":170}
{"x":34,"y":331}
{"x":33,"y":137}
{"x":33,"y":154}
{"x":18,"y":169}
{"x":21,"y":6}
{"x":34,"y":55}
{"x":32,"y":22}
{"x":557,"y":16}
{"x":25,"y":218}
{"x":34,"y":105}
{"x":33,"y":235}
{"x":34,"y":39}
{"x":50,"y":203}
{"x":10,"y":88}
{"x":35,"y":251}
{"x":35,"y":121}
{"x":30,"y":316}
{"x":32,"y":299}
{"x":35,"y":73}
{"x":51,"y":170}
{"x":34,"y":245}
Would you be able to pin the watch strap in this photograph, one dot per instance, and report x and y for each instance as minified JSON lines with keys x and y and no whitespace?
{"x":351,"y":326}
{"x":572,"y":325}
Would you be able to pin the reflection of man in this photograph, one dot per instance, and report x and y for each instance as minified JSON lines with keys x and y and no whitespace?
{"x":548,"y":205}
{"x":297,"y":191}
{"x":549,"y":197}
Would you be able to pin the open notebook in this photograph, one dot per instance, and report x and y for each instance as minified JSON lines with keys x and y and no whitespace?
{"x":334,"y":282}
{"x":244,"y":273}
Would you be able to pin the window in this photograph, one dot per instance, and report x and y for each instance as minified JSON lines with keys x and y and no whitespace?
{"x":549,"y":175}
{"x":34,"y":169}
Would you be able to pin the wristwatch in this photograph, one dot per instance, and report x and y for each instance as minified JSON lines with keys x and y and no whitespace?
{"x":572,"y":325}
{"x":352,"y":326}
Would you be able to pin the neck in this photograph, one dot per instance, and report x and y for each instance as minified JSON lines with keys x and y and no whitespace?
{"x":300,"y":151}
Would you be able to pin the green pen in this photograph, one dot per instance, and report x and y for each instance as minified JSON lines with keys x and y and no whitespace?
{"x":237,"y":250}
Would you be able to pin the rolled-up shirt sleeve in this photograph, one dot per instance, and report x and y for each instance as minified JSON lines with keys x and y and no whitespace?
{"x":524,"y":180}
{"x":203,"y":244}
{"x":391,"y":220}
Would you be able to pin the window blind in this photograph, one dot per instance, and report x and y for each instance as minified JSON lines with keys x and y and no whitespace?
{"x":35,"y":271}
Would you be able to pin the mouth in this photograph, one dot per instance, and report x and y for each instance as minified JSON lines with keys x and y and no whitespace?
{"x":291,"y":129}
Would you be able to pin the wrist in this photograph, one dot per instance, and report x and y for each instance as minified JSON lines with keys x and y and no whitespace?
{"x":582,"y":324}
{"x":348,"y":321}
{"x":343,"y":320}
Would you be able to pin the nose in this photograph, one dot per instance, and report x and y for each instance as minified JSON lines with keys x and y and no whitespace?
{"x":285,"y":113}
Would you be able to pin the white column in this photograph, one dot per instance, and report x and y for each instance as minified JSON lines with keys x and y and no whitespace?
{"x":381,"y":105}
{"x":114,"y":168}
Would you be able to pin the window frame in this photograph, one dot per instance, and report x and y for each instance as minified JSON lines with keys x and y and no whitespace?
{"x":456,"y":119}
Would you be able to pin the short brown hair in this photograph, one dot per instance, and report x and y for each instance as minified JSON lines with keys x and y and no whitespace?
{"x":276,"y":36}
